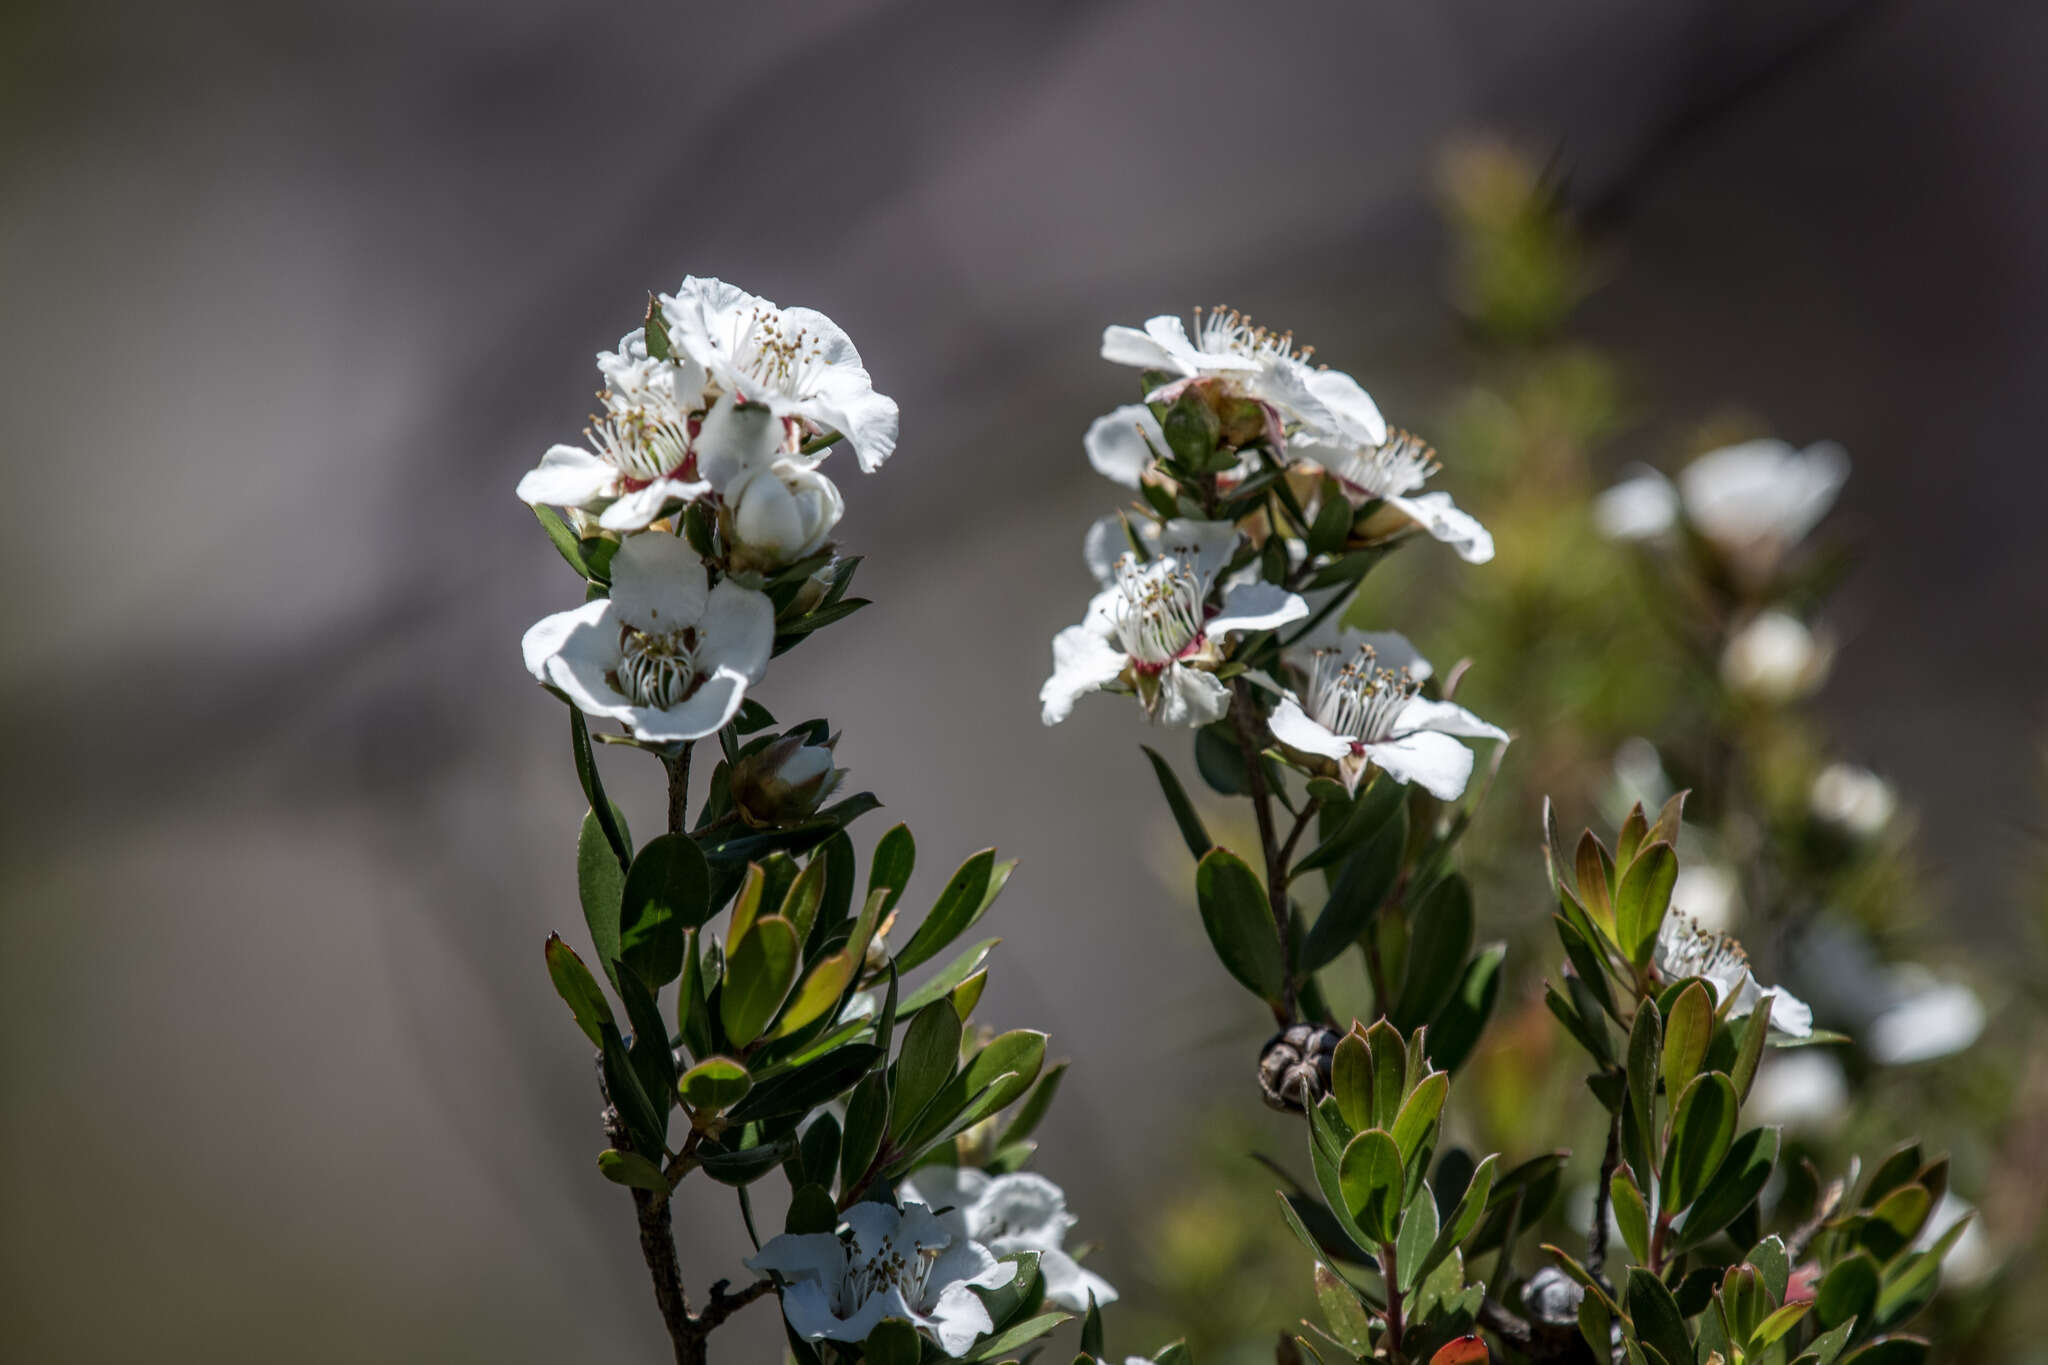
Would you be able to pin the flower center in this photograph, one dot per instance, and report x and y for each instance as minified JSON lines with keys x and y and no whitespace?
{"x":657,"y":670}
{"x":1401,"y":465}
{"x":1356,"y":698}
{"x":789,"y":362}
{"x":1226,"y":331}
{"x":872,"y":1273}
{"x":1159,"y":616}
{"x":642,"y":442}
{"x":1689,"y":950}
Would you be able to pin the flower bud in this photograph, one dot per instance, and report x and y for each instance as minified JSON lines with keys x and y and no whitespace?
{"x":786,"y":781}
{"x":782,"y":514}
{"x":1774,"y":658}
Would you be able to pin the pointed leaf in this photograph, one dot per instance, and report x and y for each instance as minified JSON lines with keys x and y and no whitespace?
{"x":959,"y":905}
{"x":1191,"y":831}
{"x":579,"y":989}
{"x":1240,"y":923}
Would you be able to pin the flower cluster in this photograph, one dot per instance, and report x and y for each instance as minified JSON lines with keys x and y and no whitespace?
{"x":698,"y":485}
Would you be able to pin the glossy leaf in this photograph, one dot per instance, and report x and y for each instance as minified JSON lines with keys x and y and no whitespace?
{"x":667,"y":890}
{"x":1191,"y":832}
{"x":959,"y":905}
{"x":758,"y":977}
{"x":1702,"y":1128}
{"x":714,"y":1085}
{"x":1372,"y":1178}
{"x":1641,"y":900}
{"x":1436,"y":953}
{"x":1688,"y":1029}
{"x":600,"y":881}
{"x":579,"y":989}
{"x":1240,"y":923}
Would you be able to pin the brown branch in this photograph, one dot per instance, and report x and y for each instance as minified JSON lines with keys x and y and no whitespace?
{"x":1497,"y":1318}
{"x":1596,"y":1236}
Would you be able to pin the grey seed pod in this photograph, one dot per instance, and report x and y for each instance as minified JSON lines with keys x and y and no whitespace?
{"x":1294,"y":1068}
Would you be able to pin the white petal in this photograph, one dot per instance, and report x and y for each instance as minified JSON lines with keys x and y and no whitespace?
{"x":1293,"y":727}
{"x":1256,"y":606}
{"x":739,"y":630}
{"x":873,"y":1222}
{"x":1435,"y":762}
{"x":768,"y":521}
{"x":641,"y":508}
{"x":1069,"y":1285}
{"x":807,"y":1307}
{"x":1351,"y":409}
{"x":1789,"y":1014}
{"x":543,"y":640}
{"x":1803,"y":1089}
{"x":1391,"y":649}
{"x":1207,"y":544}
{"x":1082,"y":662}
{"x":737,"y":441}
{"x":1438,"y":515}
{"x":958,"y":1318}
{"x":1120,"y":444}
{"x":868,"y":420}
{"x":1446,"y":718}
{"x":1189,"y":696}
{"x":658,"y":583}
{"x":1030,"y":1210}
{"x":1129,"y":346}
{"x":567,"y":476}
{"x":1106,"y":543}
{"x":1762,"y":490}
{"x":1640,"y":507}
{"x":580,"y":669}
{"x":816,"y":1256}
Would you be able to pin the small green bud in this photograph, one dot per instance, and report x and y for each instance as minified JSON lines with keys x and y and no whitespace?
{"x":1191,"y":427}
{"x":784,"y":782}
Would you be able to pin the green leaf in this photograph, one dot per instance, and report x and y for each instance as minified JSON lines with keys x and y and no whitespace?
{"x":1909,"y":1287}
{"x":895,"y":858}
{"x":1773,"y":1265}
{"x":592,"y":782}
{"x":805,"y":895}
{"x":1372,"y":1179}
{"x":1368,"y":816}
{"x":1351,"y":1081}
{"x":1893,"y":1350}
{"x":1240,"y":923}
{"x":817,"y":1153}
{"x":1895,"y":1222}
{"x":820,"y":991}
{"x":714,"y":1085}
{"x":1032,"y":1112}
{"x":960,"y":904}
{"x":1688,"y":1029}
{"x":1456,"y":1029}
{"x":1219,"y":759}
{"x":667,"y":890}
{"x":1191,"y":831}
{"x":1644,"y":1044}
{"x":1417,"y":1234}
{"x":1347,"y":1317}
{"x":1750,"y":1050}
{"x":1596,"y":1326}
{"x":600,"y":880}
{"x":1418,"y":1115}
{"x":758,"y":976}
{"x":1436,"y":953}
{"x":743,"y":1166}
{"x":1733,"y":1188}
{"x":1848,"y":1290}
{"x":1628,"y":842}
{"x":631,"y":1169}
{"x":579,"y":989}
{"x":652,"y":1058}
{"x":1642,"y":899}
{"x":1595,"y":876}
{"x":806,"y":1087}
{"x":947,"y":977}
{"x":1774,"y":1327}
{"x":1002,"y":1343}
{"x":1471,"y":1207}
{"x":931,"y":1051}
{"x":1658,"y":1323}
{"x":1702,"y":1128}
{"x":1631,"y":1213}
{"x":1828,"y":1345}
{"x":867,"y":1120}
{"x":693,"y":1009}
{"x":1360,"y":889}
{"x":1389,"y":1072}
{"x":645,"y":1124}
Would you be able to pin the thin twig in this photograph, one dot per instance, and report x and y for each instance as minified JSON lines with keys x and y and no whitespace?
{"x":1596,"y":1236}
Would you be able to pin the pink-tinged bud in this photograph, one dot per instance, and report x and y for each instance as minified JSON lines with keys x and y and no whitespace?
{"x":784,"y":782}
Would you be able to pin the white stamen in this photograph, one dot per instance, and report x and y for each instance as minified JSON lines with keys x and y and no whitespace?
{"x":1355,"y":698}
{"x":787,"y":362}
{"x":643,"y":443}
{"x":1160,"y":616}
{"x":657,"y":671}
{"x":1689,"y":950}
{"x":1225,"y":330}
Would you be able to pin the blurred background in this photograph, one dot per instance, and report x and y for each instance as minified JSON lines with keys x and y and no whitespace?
{"x":294,"y":294}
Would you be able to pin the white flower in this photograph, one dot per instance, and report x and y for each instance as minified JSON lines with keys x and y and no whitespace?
{"x":794,"y":361}
{"x":1804,"y":1089}
{"x":665,"y":654}
{"x":1685,"y":949}
{"x":1753,"y":502}
{"x":1928,"y":1018}
{"x":1252,"y":363}
{"x":889,"y":1264}
{"x":641,"y":457}
{"x":1152,"y":629}
{"x":1854,"y":800}
{"x":1389,"y":472}
{"x":1774,"y":658}
{"x":1708,"y":892}
{"x":1363,"y":710}
{"x":1011,"y":1213}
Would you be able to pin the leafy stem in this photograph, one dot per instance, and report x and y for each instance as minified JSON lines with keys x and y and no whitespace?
{"x":1246,"y":721}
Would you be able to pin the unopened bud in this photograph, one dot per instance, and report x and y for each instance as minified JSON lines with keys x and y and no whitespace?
{"x":786,"y":781}
{"x":782,"y":514}
{"x":1294,"y":1070}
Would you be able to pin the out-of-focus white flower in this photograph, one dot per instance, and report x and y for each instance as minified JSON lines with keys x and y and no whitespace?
{"x":1928,"y":1018}
{"x":666,"y":654}
{"x":1362,"y":709}
{"x":1123,"y":444}
{"x":890,"y":1263}
{"x":1639,"y":778}
{"x":1803,"y":1089}
{"x":1021,"y":1211}
{"x":1685,"y":949}
{"x":796,"y":362}
{"x":1971,"y":1261}
{"x":1153,"y":631}
{"x":1253,"y":363}
{"x":1710,"y":894}
{"x":1642,"y":506}
{"x":1774,"y":658}
{"x":1854,"y":800}
{"x":1391,"y":472}
{"x":641,"y":458}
